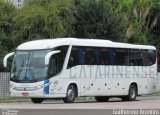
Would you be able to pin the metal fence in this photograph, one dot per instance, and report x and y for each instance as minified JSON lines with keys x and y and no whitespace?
{"x":4,"y":84}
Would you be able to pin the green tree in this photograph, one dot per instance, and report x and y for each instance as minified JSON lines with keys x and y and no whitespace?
{"x":41,"y":19}
{"x":7,"y":11}
{"x":153,"y":22}
{"x":98,"y":19}
{"x":136,"y":13}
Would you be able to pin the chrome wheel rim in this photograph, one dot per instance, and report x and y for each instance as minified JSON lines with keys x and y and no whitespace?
{"x":132,"y":93}
{"x":70,"y":94}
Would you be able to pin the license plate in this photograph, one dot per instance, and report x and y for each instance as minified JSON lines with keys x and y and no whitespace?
{"x":25,"y":94}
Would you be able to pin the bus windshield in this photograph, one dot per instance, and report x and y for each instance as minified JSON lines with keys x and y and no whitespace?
{"x":29,"y":66}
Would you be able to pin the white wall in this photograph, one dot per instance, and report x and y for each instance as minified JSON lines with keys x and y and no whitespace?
{"x":17,"y":3}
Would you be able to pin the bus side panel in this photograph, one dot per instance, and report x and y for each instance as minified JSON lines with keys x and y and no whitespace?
{"x":148,"y":77}
{"x":95,"y":80}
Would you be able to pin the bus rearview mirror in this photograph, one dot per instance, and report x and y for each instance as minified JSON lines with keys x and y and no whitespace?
{"x":6,"y":58}
{"x":48,"y":56}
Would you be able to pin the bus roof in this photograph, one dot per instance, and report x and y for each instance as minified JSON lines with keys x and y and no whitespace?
{"x":52,"y":43}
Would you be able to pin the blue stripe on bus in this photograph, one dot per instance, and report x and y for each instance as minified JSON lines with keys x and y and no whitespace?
{"x":46,"y":87}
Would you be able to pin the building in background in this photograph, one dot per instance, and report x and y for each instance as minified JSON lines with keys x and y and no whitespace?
{"x":17,"y":3}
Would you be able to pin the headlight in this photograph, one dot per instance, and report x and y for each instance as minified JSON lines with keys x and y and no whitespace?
{"x":39,"y":87}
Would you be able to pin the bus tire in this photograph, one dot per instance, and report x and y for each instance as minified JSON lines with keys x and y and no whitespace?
{"x":102,"y":98}
{"x":132,"y":94}
{"x":37,"y":100}
{"x":70,"y":95}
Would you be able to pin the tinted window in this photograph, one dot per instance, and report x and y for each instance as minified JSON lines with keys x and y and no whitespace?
{"x":104,"y":56}
{"x":121,"y":56}
{"x":73,"y":59}
{"x":111,"y":56}
{"x":57,"y":60}
{"x":135,"y":57}
{"x":92,"y":56}
{"x":149,"y":57}
{"x":84,"y":56}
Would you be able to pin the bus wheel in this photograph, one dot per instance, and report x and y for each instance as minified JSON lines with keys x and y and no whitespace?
{"x":71,"y":94}
{"x":37,"y":100}
{"x":102,"y":98}
{"x":131,"y":94}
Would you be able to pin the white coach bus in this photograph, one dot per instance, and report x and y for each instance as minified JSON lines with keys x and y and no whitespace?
{"x":68,"y":67}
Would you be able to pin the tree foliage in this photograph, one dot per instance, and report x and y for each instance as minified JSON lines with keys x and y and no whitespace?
{"x":135,"y":12}
{"x":97,"y":19}
{"x":41,"y":19}
{"x":7,"y":11}
{"x":133,"y":21}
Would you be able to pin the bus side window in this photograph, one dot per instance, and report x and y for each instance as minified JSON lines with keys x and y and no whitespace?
{"x":73,"y":59}
{"x":63,"y":53}
{"x":81,"y":56}
{"x":149,"y":57}
{"x":55,"y":65}
{"x":111,"y":55}
{"x":140,"y":62}
{"x":90,"y":56}
{"x":152,"y":57}
{"x":97,"y":55}
{"x":104,"y":56}
{"x":121,"y":56}
{"x":57,"y":60}
{"x":132,"y":62}
{"x":135,"y":57}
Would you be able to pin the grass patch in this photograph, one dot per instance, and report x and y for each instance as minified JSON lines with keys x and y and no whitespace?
{"x":8,"y":99}
{"x":85,"y":98}
{"x":156,"y":94}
